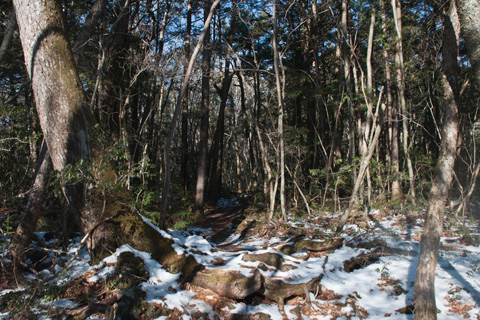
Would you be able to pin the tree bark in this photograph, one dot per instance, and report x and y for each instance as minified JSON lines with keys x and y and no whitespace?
{"x":469,"y":14}
{"x":28,"y":221}
{"x":424,"y":293}
{"x":61,"y":108}
{"x":7,"y":37}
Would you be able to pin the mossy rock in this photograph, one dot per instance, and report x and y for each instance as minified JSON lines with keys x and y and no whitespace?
{"x":129,"y":228}
{"x":271,"y":258}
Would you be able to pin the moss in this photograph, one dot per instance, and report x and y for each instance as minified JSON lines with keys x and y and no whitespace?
{"x":129,"y":228}
{"x":130,"y":270}
{"x":227,"y":283}
{"x":189,"y":269}
{"x":310,"y":245}
{"x":270,"y":258}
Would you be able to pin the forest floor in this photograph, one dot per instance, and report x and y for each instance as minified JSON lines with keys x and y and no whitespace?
{"x":366,"y":272}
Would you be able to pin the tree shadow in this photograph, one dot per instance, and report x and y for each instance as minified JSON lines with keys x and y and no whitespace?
{"x":442,"y":262}
{"x":414,"y":247}
{"x":453,"y":272}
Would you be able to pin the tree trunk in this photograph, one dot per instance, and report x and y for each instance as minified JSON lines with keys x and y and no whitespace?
{"x":216,"y":157}
{"x":204,"y":120}
{"x":280,"y":96}
{"x":26,"y":226}
{"x":469,"y":14}
{"x":397,"y":14}
{"x":91,"y":22}
{"x":372,"y":144}
{"x":424,"y":293}
{"x":348,"y":78}
{"x":184,"y":164}
{"x":216,"y":153}
{"x":58,"y":93}
{"x":391,"y":122}
{"x":178,"y":106}
{"x":7,"y":38}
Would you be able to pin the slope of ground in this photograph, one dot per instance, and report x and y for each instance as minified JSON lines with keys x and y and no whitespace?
{"x":253,"y":270}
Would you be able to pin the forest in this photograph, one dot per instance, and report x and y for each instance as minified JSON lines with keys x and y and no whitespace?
{"x":164,"y":137}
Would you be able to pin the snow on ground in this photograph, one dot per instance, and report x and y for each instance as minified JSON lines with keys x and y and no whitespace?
{"x":375,"y":291}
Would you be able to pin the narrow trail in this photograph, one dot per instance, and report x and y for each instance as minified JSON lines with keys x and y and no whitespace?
{"x":223,"y":222}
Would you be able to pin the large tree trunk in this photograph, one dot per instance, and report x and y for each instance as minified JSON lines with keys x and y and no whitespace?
{"x":103,"y":219}
{"x":57,"y":90}
{"x":425,"y":307}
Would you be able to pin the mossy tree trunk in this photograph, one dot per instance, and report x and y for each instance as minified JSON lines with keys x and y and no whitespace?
{"x":62,"y":113}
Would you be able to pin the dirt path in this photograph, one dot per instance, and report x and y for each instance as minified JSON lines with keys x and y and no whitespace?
{"x":223,"y":222}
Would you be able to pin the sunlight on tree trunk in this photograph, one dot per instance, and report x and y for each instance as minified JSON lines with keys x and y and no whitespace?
{"x":58,"y":93}
{"x":397,"y":14}
{"x":280,"y":93}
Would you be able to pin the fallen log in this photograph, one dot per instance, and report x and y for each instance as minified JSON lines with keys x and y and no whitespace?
{"x":271,"y":258}
{"x":310,"y":245}
{"x":279,"y":290}
{"x":228,"y":283}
